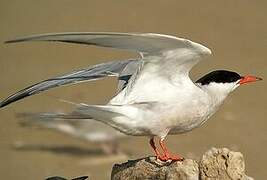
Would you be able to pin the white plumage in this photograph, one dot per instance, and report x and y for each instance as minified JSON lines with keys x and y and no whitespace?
{"x":156,"y":95}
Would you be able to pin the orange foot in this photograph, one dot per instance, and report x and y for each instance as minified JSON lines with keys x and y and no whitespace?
{"x":168,"y":157}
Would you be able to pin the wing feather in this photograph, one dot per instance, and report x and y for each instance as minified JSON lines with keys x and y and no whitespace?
{"x":92,"y":73}
{"x":162,"y":55}
{"x":144,"y":43}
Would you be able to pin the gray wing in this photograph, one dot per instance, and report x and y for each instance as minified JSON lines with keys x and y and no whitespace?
{"x":177,"y":54}
{"x":122,"y":69}
{"x":143,"y":43}
{"x":168,"y":53}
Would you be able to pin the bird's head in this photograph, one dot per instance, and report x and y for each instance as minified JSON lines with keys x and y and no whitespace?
{"x":222,"y":82}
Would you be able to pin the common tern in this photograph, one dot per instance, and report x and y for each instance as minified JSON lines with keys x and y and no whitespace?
{"x":155,"y":95}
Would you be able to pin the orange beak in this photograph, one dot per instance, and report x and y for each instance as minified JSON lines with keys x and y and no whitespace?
{"x":248,"y":79}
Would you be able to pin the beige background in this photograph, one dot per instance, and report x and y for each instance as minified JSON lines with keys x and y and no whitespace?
{"x":236,"y":31}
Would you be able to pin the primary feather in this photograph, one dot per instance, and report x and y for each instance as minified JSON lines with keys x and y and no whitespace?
{"x":122,"y":69}
{"x":179,"y":54}
{"x":143,"y":43}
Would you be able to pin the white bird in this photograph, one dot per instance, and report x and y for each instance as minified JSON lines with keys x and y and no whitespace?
{"x":156,"y":96}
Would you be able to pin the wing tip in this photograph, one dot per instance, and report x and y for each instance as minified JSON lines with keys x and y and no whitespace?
{"x":14,"y":40}
{"x":25,"y":38}
{"x":201,"y":48}
{"x":9,"y":41}
{"x":2,"y":104}
{"x":207,"y":51}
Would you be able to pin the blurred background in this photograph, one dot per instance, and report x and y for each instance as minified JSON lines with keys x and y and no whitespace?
{"x":235,"y":30}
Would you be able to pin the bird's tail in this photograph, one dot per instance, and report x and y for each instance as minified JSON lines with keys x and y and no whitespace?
{"x":47,"y":120}
{"x":104,"y":113}
{"x":78,"y":123}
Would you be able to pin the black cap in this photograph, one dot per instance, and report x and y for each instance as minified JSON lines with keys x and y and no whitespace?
{"x":219,"y":76}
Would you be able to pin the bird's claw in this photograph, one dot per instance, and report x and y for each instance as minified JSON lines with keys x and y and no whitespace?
{"x":170,"y":158}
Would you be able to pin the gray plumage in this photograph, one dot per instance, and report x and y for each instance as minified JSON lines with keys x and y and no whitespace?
{"x":122,"y":69}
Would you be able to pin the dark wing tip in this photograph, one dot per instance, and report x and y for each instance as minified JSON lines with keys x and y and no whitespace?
{"x":18,"y":40}
{"x":9,"y":41}
{"x":15,"y":40}
{"x":14,"y":97}
{"x":25,"y":38}
{"x":2,"y":104}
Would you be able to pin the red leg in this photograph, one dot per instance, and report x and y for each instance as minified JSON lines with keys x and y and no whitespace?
{"x":152,"y":144}
{"x":167,"y":155}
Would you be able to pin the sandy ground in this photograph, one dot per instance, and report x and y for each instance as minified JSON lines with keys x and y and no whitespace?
{"x":236,"y":31}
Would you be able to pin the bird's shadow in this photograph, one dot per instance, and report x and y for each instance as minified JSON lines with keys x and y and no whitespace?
{"x":59,"y":149}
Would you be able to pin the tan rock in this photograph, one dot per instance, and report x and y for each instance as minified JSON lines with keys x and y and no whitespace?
{"x":216,"y":164}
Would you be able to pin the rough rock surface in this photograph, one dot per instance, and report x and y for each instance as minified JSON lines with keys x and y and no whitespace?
{"x":215,"y":164}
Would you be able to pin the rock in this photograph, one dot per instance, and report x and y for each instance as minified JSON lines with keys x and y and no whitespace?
{"x":216,"y":164}
{"x":150,"y":168}
{"x":222,"y":164}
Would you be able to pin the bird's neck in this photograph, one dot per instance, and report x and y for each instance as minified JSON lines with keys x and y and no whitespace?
{"x":218,"y":92}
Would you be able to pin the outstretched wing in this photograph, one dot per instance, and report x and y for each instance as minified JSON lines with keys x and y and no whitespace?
{"x":163,"y":55}
{"x":144,"y":43}
{"x":122,"y":69}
